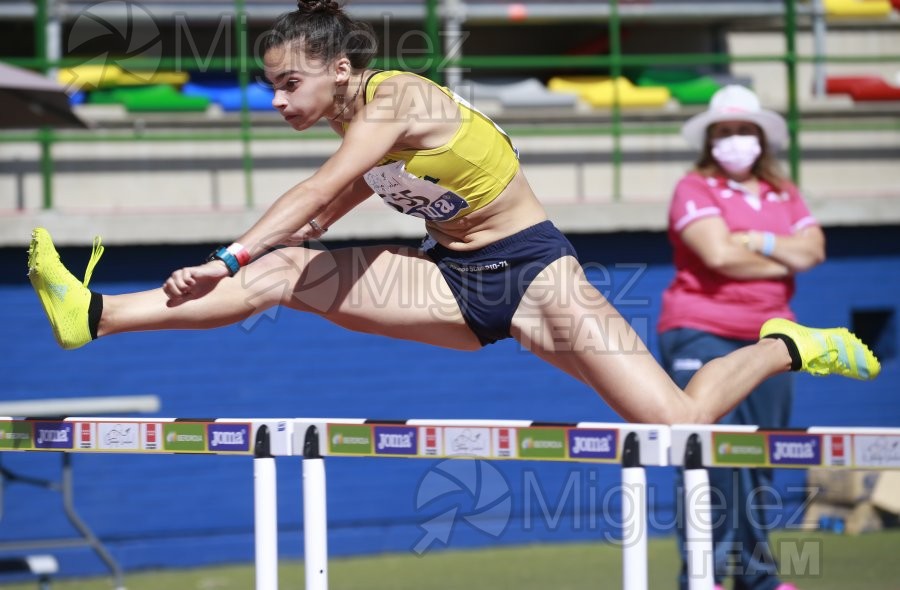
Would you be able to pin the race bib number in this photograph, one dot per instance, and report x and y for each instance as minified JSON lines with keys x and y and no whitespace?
{"x":412,"y":195}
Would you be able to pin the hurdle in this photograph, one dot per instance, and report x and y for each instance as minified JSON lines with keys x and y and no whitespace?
{"x":78,"y":406}
{"x":634,"y":446}
{"x":261,"y":439}
{"x":697,"y":447}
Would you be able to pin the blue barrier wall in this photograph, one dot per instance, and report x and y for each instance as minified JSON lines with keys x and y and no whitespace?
{"x":190,"y":510}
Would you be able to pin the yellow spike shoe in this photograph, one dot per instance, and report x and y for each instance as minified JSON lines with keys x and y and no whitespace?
{"x":832,"y":351}
{"x":66,"y":300}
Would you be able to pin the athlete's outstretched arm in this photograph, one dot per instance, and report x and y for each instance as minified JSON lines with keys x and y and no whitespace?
{"x":345,"y":202}
{"x":374,"y":131}
{"x":364,"y":145}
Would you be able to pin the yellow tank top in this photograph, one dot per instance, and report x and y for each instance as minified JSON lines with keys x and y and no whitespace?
{"x":450,"y":181}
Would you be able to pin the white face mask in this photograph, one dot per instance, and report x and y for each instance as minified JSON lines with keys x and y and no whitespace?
{"x":736,"y":154}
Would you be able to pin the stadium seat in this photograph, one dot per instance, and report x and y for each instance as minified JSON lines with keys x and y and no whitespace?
{"x":844,"y":84}
{"x":77,"y":98}
{"x":601,"y":91}
{"x":862,"y":88}
{"x":857,"y":8}
{"x":129,"y":78}
{"x":158,"y":98}
{"x":521,"y":93}
{"x":93,"y":77}
{"x":89,"y":77}
{"x":227,"y":94}
{"x":687,"y":86}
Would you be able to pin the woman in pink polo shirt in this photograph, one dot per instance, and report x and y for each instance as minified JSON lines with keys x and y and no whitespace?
{"x":740,"y":232}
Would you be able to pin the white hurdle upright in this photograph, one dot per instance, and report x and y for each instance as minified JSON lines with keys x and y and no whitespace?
{"x":634,"y":516}
{"x":697,"y":447}
{"x":265,"y":512}
{"x":631,"y":445}
{"x":315,"y":512}
{"x":698,"y":534}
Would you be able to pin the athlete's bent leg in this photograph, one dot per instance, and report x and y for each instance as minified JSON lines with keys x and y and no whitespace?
{"x":567,"y":322}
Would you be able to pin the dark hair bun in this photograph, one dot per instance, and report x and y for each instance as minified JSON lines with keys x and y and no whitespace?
{"x":325,"y":32}
{"x":309,"y":6}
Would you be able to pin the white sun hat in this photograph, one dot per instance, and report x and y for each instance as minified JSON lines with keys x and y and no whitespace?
{"x":736,"y":103}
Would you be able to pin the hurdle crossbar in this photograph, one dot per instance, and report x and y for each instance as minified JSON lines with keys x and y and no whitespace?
{"x":817,"y":446}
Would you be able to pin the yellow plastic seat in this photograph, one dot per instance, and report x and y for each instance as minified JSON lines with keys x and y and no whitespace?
{"x":89,"y":77}
{"x":857,"y":8}
{"x":129,"y":78}
{"x":601,"y":91}
{"x":92,"y":77}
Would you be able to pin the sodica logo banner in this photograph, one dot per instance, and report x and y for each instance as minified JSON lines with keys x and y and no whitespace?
{"x":350,"y":439}
{"x":739,"y":448}
{"x":15,"y":435}
{"x":184,"y":436}
{"x":546,"y":443}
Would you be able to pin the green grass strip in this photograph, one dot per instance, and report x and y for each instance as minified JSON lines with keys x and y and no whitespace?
{"x":811,"y":560}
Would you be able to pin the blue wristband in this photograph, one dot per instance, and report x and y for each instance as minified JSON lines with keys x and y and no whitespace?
{"x":768,"y":244}
{"x":228,"y":258}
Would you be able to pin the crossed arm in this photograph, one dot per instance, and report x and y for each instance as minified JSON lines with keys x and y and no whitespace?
{"x":736,"y":254}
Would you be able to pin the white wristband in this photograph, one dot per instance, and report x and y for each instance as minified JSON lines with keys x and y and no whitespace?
{"x":768,"y":244}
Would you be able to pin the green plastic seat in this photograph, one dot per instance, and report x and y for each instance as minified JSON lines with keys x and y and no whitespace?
{"x":687,"y":86}
{"x":144,"y":99}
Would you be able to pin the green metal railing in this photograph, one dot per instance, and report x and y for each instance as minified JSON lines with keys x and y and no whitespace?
{"x":614,"y":63}
{"x":45,"y":135}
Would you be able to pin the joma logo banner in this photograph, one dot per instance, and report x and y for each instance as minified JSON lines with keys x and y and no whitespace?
{"x":795,"y":449}
{"x":396,"y":440}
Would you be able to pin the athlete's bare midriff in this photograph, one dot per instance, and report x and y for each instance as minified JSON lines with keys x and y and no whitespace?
{"x":515,"y":209}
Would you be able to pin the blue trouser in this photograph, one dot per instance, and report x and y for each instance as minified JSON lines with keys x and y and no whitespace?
{"x":740,"y":533}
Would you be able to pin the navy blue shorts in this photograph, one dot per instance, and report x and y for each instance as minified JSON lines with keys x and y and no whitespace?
{"x":489,"y":283}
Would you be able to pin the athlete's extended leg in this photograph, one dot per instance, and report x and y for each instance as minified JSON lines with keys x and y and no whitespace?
{"x":392,"y":291}
{"x":566,"y":321}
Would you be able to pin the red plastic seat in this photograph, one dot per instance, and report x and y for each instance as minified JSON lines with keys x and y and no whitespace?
{"x":846,"y":84}
{"x":862,"y":88}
